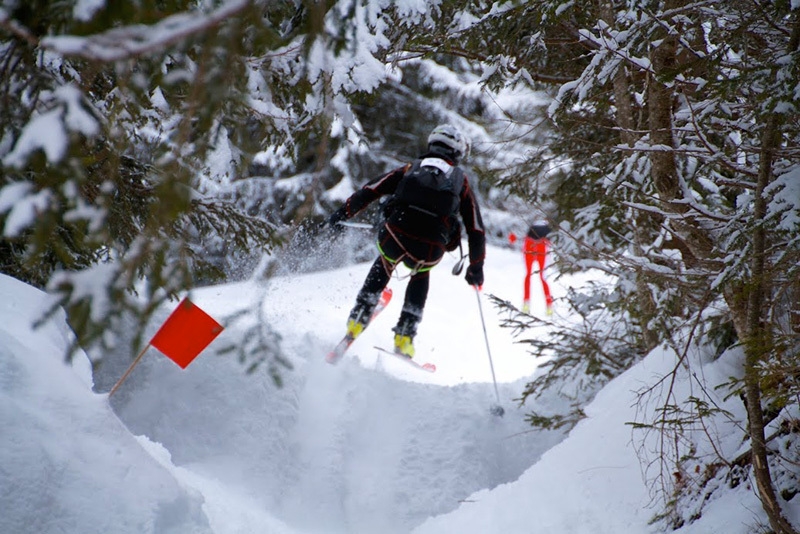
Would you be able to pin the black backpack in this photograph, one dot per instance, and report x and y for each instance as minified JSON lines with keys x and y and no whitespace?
{"x":426,"y":201}
{"x":538,"y":231}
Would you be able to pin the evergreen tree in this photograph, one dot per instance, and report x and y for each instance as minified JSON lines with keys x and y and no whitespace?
{"x":153,"y":146}
{"x":676,"y":148}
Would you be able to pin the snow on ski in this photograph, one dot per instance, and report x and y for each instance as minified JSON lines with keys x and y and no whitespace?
{"x":338,"y":351}
{"x":431,"y":368}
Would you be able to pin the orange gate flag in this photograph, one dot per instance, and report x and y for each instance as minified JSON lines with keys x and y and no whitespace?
{"x":186,"y":333}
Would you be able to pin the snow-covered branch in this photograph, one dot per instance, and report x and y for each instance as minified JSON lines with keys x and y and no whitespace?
{"x":131,"y":41}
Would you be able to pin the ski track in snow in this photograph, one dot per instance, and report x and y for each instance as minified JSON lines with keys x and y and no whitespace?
{"x":371,"y":444}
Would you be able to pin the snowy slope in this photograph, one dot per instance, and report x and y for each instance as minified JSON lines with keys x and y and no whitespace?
{"x":592,"y":482}
{"x":369,"y":445}
{"x":67,"y":464}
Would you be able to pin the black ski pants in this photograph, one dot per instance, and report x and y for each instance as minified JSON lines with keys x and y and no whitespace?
{"x":391,"y":254}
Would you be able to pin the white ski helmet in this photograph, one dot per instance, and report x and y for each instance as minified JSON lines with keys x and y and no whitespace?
{"x":452,"y":138}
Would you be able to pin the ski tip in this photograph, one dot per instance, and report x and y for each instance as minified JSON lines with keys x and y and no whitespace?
{"x":334,"y":356}
{"x":431,"y":368}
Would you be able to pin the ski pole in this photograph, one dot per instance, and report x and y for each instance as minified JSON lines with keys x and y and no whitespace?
{"x":495,"y":410}
{"x":361,"y":226}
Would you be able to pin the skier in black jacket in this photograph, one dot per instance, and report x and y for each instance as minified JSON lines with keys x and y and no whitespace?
{"x":421,"y":223}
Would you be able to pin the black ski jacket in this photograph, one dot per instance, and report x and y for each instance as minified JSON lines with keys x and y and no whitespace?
{"x":424,"y":247}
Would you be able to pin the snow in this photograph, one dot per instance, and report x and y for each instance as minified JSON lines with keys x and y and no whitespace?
{"x":341,"y":191}
{"x":68,"y":463}
{"x":786,"y":189}
{"x":370,"y":445}
{"x":85,"y":9}
{"x":45,"y":132}
{"x":48,"y":131}
{"x":10,"y":198}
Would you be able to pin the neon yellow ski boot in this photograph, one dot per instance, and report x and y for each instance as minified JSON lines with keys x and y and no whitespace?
{"x":402,"y":345}
{"x":354,"y":328}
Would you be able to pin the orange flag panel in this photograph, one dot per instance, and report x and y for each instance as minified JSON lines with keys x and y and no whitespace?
{"x":186,"y":333}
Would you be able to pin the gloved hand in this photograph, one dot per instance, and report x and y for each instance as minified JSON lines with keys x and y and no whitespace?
{"x":474,"y":274}
{"x":332,"y":223}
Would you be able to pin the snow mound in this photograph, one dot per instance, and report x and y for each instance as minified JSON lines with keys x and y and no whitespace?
{"x":68,"y":463}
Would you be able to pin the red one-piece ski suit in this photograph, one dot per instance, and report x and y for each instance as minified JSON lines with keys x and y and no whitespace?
{"x":534,"y":248}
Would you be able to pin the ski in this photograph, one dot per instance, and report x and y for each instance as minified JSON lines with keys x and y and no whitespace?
{"x":338,"y":351}
{"x":431,"y":368}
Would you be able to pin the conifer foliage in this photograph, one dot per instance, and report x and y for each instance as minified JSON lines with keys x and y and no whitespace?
{"x":674,"y":167}
{"x":146,"y":145}
{"x":132,"y":135}
{"x":110,"y":116}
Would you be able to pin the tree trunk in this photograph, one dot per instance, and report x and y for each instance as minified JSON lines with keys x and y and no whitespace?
{"x":696,"y":245}
{"x":665,"y":178}
{"x":756,"y":343}
{"x":627,"y":124}
{"x":664,"y":174}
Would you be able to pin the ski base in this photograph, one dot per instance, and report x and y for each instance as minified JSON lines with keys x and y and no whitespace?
{"x":429,"y":367}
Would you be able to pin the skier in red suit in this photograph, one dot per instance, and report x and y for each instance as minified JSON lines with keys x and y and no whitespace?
{"x":535,"y":247}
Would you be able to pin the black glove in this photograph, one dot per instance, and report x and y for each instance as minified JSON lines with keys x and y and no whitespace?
{"x":333,"y":221}
{"x":474,"y":274}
